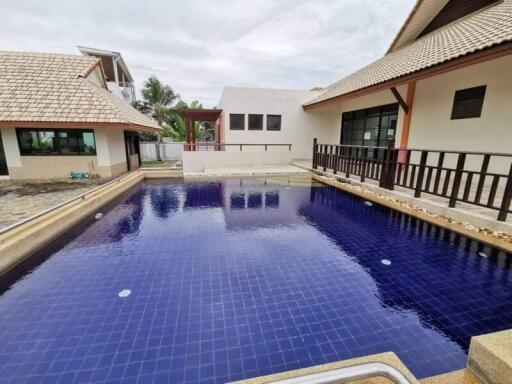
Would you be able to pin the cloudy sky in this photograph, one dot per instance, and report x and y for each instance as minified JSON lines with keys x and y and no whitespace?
{"x":198,"y":47}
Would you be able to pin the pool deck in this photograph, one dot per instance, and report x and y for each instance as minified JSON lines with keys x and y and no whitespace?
{"x":22,"y":199}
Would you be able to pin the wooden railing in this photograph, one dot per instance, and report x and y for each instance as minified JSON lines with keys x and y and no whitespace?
{"x":207,"y":146}
{"x":478,"y":178}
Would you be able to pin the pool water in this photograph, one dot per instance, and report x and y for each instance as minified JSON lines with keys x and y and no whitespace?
{"x":214,"y":281}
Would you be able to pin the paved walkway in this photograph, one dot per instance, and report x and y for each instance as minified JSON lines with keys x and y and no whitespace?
{"x":22,"y":199}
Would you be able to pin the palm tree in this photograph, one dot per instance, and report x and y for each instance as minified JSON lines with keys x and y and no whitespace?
{"x":158,"y":100}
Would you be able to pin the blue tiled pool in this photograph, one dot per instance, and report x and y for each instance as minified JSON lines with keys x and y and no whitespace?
{"x":238,"y":278}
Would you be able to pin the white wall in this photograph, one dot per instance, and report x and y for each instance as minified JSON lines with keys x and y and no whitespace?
{"x":432,"y":127}
{"x":11,"y":148}
{"x":194,"y":162}
{"x":297,"y":127}
{"x":110,"y":146}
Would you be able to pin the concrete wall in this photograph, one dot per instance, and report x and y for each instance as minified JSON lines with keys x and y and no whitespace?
{"x":194,"y":162}
{"x":109,"y":161}
{"x":297,"y":127}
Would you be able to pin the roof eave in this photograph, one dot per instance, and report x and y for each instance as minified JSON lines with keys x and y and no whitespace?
{"x":476,"y":57}
{"x":77,"y":125}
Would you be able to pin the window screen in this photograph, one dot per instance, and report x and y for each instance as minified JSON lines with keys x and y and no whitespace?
{"x":468,"y":103}
{"x":273,"y":122}
{"x":237,"y":122}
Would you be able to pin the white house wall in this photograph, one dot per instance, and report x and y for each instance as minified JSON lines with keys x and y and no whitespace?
{"x":297,"y":127}
{"x":431,"y":124}
{"x":11,"y":148}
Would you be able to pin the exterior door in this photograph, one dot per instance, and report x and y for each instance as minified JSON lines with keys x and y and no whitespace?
{"x":3,"y":161}
{"x":133,"y":159}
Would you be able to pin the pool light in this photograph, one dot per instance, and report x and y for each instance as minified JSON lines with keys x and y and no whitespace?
{"x":124,"y":293}
{"x":386,"y":262}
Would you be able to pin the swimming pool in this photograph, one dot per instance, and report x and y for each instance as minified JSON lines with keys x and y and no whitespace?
{"x":214,"y":281}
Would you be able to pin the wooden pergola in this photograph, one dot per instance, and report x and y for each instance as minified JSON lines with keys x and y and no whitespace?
{"x":193,"y":115}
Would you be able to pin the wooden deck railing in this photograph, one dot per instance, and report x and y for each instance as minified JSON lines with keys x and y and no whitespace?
{"x":207,"y":146}
{"x":479,"y":178}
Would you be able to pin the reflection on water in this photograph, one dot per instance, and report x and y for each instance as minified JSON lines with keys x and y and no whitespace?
{"x":241,"y":277}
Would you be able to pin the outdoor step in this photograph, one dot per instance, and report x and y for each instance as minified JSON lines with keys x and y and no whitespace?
{"x":490,"y":357}
{"x":463,"y":376}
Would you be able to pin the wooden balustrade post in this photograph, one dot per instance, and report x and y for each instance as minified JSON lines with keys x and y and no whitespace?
{"x":324,"y":157}
{"x":507,"y":198}
{"x":315,"y":153}
{"x":457,"y":179}
{"x":363,"y":170}
{"x":421,"y":174}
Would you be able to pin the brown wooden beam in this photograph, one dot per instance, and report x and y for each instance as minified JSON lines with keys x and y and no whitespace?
{"x":400,"y":100}
{"x":495,"y":52}
{"x":406,"y":125}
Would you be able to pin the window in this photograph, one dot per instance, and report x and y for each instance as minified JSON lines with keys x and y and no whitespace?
{"x":273,"y":122}
{"x":237,"y":122}
{"x":369,"y":127}
{"x":255,"y":122}
{"x":56,"y":142}
{"x":468,"y":103}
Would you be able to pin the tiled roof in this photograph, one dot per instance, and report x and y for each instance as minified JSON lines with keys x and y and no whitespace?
{"x":41,"y":87}
{"x":484,"y":29}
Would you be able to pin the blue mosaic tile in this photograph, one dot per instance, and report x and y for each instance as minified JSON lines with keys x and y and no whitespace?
{"x":237,"y":278}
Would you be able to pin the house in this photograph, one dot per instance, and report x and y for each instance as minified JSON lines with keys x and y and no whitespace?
{"x":118,"y":77}
{"x":57,"y":116}
{"x":444,"y":83}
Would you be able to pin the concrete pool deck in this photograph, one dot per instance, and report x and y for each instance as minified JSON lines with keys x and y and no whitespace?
{"x":22,"y":199}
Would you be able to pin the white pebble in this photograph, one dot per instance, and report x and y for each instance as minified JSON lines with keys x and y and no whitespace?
{"x":98,"y":216}
{"x":386,"y":262}
{"x":368,"y":203}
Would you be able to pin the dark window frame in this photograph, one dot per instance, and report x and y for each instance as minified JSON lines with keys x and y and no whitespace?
{"x":362,"y":115}
{"x":58,"y":151}
{"x":475,"y":94}
{"x":280,"y":122}
{"x":252,"y":116}
{"x":231,"y":115}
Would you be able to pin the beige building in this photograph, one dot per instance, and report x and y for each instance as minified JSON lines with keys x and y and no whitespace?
{"x":57,"y":116}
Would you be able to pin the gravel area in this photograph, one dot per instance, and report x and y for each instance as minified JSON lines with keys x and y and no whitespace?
{"x":22,"y":199}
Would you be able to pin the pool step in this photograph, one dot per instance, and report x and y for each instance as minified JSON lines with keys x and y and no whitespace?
{"x":463,"y":376}
{"x":490,"y":357}
{"x":161,"y":173}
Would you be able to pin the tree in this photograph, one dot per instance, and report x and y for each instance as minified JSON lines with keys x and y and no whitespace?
{"x":157,"y":102}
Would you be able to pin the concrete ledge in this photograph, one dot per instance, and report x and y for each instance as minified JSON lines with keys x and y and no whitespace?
{"x":21,"y":242}
{"x":462,"y":376}
{"x":387,"y":357}
{"x":490,"y":357}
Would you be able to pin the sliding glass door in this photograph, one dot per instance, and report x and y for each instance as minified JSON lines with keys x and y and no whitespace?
{"x":371,"y":127}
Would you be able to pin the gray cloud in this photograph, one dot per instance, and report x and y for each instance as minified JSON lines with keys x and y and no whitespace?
{"x":200,"y":46}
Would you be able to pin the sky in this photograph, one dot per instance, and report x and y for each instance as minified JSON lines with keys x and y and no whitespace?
{"x":199,"y":47}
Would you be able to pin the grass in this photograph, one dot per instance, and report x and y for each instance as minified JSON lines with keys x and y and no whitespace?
{"x":155,"y":163}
